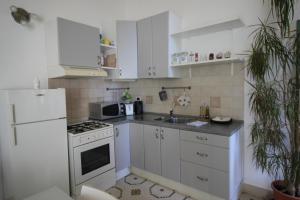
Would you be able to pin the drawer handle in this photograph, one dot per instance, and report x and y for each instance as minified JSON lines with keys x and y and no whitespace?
{"x":156,"y":135}
{"x":202,"y":179}
{"x":201,"y":138}
{"x":202,"y":154}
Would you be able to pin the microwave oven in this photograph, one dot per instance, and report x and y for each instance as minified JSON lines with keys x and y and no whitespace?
{"x":105,"y":110}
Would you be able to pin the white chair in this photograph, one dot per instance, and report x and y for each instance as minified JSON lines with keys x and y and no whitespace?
{"x":88,"y":193}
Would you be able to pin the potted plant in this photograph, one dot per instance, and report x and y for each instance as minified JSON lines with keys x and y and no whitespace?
{"x":274,"y":67}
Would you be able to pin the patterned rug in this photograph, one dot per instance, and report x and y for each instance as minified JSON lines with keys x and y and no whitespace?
{"x":133,"y":187}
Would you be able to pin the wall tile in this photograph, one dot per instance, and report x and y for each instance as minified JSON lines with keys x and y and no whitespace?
{"x":207,"y":81}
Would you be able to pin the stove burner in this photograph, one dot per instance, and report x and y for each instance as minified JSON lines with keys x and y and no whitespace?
{"x":86,"y":126}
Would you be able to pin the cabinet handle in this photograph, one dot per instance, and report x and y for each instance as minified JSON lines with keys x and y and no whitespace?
{"x":154,"y":74}
{"x":202,"y":179}
{"x":156,"y":135}
{"x":201,"y":138}
{"x":162,"y":136}
{"x":202,"y":154}
{"x":117,"y":132}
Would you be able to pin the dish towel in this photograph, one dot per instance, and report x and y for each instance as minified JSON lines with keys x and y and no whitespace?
{"x":196,"y":123}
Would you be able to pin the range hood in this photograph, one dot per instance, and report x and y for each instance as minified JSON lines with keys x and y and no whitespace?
{"x":74,"y":72}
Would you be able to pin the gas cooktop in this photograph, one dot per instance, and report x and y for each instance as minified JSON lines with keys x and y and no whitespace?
{"x":86,"y":126}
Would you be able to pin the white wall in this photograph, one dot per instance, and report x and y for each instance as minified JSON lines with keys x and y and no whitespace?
{"x":23,"y":48}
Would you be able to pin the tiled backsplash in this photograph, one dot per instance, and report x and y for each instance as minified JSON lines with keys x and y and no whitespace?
{"x":219,"y":86}
{"x":80,"y":92}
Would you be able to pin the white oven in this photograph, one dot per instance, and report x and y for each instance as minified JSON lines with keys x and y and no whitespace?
{"x":93,"y":159}
{"x":92,"y":156}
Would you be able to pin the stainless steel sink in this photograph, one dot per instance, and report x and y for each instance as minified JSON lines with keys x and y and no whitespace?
{"x":178,"y":120}
{"x":160,"y":119}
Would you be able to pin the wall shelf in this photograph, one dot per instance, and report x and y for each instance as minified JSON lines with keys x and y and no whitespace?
{"x":107,"y":47}
{"x":109,"y":68}
{"x":211,"y":28}
{"x":211,"y":62}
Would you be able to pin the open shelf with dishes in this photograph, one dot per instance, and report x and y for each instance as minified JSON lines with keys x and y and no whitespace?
{"x":212,"y":44}
{"x":210,"y":62}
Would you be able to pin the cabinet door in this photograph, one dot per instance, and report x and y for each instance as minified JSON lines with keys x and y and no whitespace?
{"x":160,"y":35}
{"x":137,"y":146}
{"x":79,"y":44}
{"x":170,"y":153}
{"x":122,"y":149}
{"x":152,"y":149}
{"x":127,"y":49}
{"x":144,"y":34}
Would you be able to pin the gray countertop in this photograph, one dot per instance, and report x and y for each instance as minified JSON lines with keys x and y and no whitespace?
{"x":210,"y":128}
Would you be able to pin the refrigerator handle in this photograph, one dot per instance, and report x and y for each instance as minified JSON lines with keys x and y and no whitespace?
{"x":14,"y":134}
{"x":13,"y":113}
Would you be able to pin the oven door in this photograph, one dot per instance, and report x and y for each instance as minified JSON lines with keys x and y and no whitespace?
{"x":93,"y":159}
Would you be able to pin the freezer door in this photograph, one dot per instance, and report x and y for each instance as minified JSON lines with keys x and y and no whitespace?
{"x":38,"y":160}
{"x":37,"y":105}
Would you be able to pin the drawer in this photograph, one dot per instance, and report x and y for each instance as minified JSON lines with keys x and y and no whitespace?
{"x":204,"y":138}
{"x":210,"y":156}
{"x":205,"y":179}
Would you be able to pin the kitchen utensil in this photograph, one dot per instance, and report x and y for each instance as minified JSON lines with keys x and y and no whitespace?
{"x":221,"y":120}
{"x":163,"y":95}
{"x":184,"y":100}
{"x":219,"y":55}
{"x":227,"y":54}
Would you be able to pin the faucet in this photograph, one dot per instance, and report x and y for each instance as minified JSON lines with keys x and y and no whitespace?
{"x":171,"y":113}
{"x":172,"y":108}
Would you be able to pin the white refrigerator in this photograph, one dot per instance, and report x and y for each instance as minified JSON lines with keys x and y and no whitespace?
{"x":33,"y":139}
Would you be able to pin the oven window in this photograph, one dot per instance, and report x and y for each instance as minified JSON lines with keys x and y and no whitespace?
{"x":111,"y":110}
{"x":94,"y":159}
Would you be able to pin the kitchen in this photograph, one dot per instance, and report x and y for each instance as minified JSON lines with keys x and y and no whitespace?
{"x":146,"y":67}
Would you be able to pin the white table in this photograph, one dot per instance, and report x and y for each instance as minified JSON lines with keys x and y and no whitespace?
{"x":50,"y":194}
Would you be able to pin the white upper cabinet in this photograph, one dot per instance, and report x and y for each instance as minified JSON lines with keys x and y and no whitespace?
{"x":154,"y":46}
{"x":126,"y":51}
{"x":78,"y":44}
{"x":160,"y":44}
{"x":144,"y":34}
{"x":72,"y":44}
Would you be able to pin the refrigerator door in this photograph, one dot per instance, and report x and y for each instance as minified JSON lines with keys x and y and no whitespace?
{"x":36,"y":105}
{"x":38,"y":160}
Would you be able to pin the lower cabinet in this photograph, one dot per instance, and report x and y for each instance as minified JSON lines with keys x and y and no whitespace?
{"x":205,"y":179}
{"x":162,"y":151}
{"x":137,"y":145}
{"x":212,"y":163}
{"x":152,"y":149}
{"x":170,"y":154}
{"x":122,"y":148}
{"x":206,"y":162}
